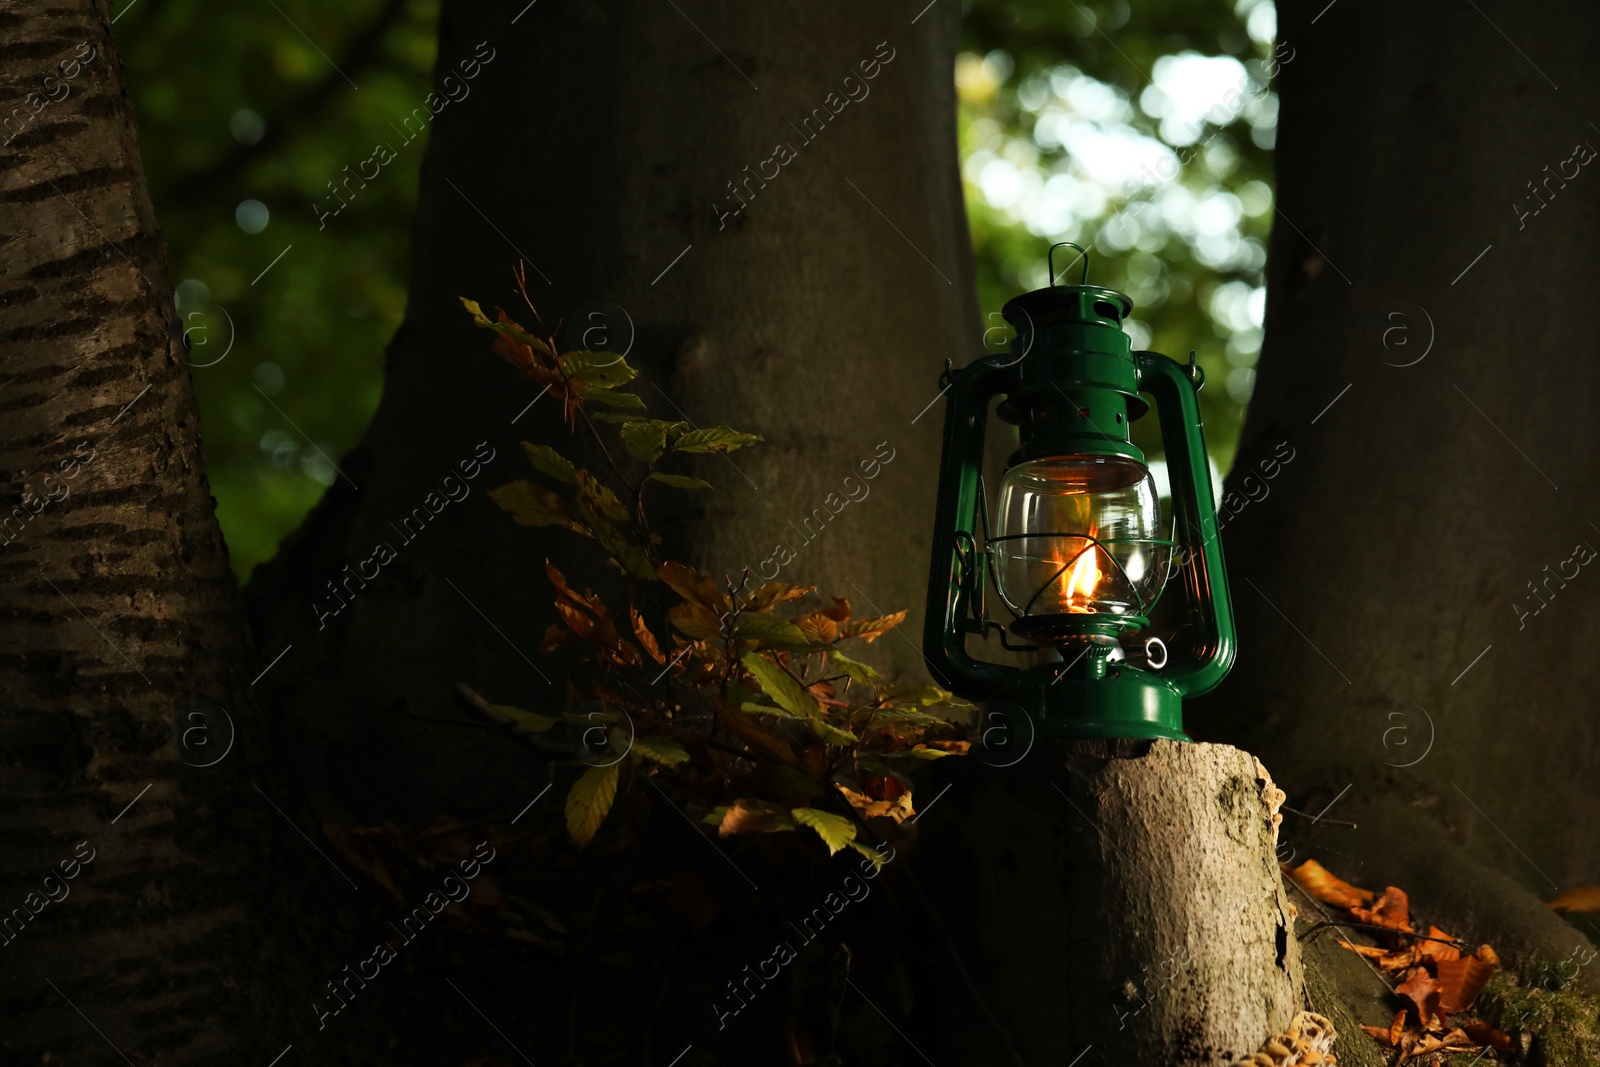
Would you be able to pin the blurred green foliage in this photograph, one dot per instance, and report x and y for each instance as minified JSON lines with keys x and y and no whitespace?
{"x":245,"y":114}
{"x":1078,"y":122}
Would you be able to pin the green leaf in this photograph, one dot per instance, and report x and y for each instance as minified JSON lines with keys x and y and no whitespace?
{"x":777,"y":684}
{"x":913,"y":694}
{"x":715,"y":439}
{"x":589,"y":801}
{"x":835,"y":830}
{"x":679,"y":481}
{"x":715,"y":816}
{"x":662,"y":750}
{"x":598,"y":495}
{"x":832,"y":734}
{"x":603,"y":395}
{"x":872,"y":854}
{"x":605,"y":369}
{"x":476,"y":311}
{"x":769,"y":631}
{"x":547,"y":460}
{"x":861,"y":672}
{"x":531,"y":721}
{"x":533,"y":505}
{"x":930,"y":753}
{"x":768,"y":709}
{"x":479,"y":318}
{"x":646,"y":438}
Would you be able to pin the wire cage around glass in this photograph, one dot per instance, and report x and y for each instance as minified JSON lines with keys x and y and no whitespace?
{"x":1075,"y":551}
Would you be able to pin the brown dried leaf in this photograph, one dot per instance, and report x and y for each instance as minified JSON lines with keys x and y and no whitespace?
{"x":695,"y":587}
{"x":1392,"y":910}
{"x":818,"y":627}
{"x":839,"y":611}
{"x":1421,"y":992}
{"x":1484,"y":1034}
{"x":1317,"y":880}
{"x":1437,"y":950}
{"x":647,"y":640}
{"x":1585,"y":898}
{"x":870,"y":630}
{"x":1460,"y":982}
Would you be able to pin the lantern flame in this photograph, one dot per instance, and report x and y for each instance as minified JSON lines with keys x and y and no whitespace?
{"x":1078,"y":584}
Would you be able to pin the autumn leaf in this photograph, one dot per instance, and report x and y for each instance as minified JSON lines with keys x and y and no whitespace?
{"x":1317,"y":880}
{"x":870,"y":630}
{"x":647,"y":640}
{"x":694,"y":587}
{"x":835,"y":830}
{"x":1421,"y":992}
{"x":818,"y":627}
{"x":1460,"y":982}
{"x":1392,"y":911}
{"x":1586,"y":898}
{"x":589,"y":801}
{"x":746,"y":816}
{"x":1484,"y":1034}
{"x":1436,"y":950}
{"x":768,"y":596}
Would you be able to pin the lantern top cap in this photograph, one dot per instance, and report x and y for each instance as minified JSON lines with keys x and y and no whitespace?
{"x":1081,"y":303}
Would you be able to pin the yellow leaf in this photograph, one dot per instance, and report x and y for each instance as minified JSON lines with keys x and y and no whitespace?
{"x":835,"y":830}
{"x":589,"y":801}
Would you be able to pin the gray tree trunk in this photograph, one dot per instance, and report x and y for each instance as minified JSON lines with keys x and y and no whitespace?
{"x":599,"y":144}
{"x":118,"y":613}
{"x":1428,"y":359}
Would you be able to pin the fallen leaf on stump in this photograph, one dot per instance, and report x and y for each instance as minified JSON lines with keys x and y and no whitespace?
{"x":1484,"y":1034}
{"x":1586,"y":898}
{"x":1460,"y":982}
{"x":1422,"y":992}
{"x":1392,"y":911}
{"x":1317,"y":880}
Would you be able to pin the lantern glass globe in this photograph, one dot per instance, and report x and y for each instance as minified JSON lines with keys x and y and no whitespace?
{"x":1079,"y":534}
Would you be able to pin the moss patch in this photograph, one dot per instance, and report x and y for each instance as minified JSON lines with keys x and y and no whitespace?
{"x":1564,"y":1023}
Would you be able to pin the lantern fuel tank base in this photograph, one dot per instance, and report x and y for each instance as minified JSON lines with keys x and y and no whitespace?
{"x":1125,"y":703}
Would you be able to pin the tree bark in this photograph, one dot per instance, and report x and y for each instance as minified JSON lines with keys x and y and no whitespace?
{"x":1431,"y":376}
{"x":819,"y":316}
{"x":120,"y":618}
{"x":1122,"y":897}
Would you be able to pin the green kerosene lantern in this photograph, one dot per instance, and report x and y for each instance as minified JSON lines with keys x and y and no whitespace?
{"x":1075,"y":547}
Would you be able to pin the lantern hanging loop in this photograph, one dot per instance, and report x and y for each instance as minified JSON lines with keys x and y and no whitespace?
{"x":1083,"y":254}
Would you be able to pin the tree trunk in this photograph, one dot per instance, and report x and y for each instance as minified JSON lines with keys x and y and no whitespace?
{"x":818,"y":316}
{"x":1116,"y":896}
{"x":1401,"y":650}
{"x":122,"y":632}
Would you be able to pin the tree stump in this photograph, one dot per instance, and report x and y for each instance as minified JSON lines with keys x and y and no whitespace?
{"x":1115,"y":901}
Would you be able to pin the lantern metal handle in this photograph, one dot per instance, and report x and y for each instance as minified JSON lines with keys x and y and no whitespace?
{"x":1195,"y":514}
{"x":1083,"y":253}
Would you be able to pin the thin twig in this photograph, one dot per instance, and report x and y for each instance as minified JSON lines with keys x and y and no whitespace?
{"x":1316,"y":818}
